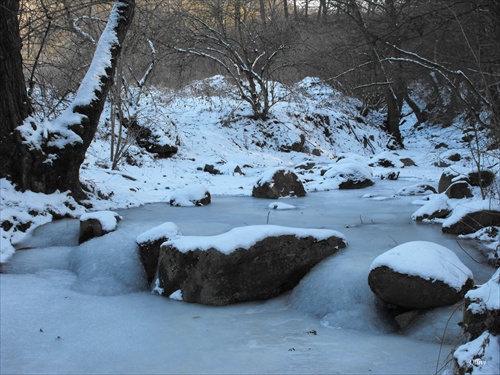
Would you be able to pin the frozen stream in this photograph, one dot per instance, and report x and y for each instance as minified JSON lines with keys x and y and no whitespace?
{"x":86,"y":309}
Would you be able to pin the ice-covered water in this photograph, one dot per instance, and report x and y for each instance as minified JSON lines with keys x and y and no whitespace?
{"x":86,"y":309}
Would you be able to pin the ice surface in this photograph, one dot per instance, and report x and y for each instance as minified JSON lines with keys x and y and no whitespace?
{"x":427,"y":260}
{"x":86,"y":309}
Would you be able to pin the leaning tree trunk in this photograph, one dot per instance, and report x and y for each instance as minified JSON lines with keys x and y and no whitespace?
{"x":47,"y":156}
{"x":14,"y":103}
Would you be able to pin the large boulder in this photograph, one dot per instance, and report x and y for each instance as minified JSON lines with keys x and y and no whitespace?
{"x":472,"y":216}
{"x":149,"y":246}
{"x":449,"y":176}
{"x":482,"y":178}
{"x":419,"y":275}
{"x":459,"y":190}
{"x":350,"y":174}
{"x":96,"y":224}
{"x":278,"y":183}
{"x":244,"y":264}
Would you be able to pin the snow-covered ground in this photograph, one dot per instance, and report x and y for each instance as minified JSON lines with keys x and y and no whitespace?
{"x":86,"y":309}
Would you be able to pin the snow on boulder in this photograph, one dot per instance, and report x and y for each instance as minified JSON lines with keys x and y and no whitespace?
{"x":417,"y":189}
{"x":149,"y":245}
{"x":478,"y":357}
{"x":96,"y":224}
{"x":350,"y":174}
{"x":469,"y":217}
{"x":435,"y":208}
{"x":276,"y":183}
{"x":191,"y":196}
{"x":482,"y":308}
{"x":386,"y":159}
{"x":247,"y":263}
{"x":419,"y":275}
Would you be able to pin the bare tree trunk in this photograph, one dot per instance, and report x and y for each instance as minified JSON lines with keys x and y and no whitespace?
{"x":262,"y":8}
{"x":46,"y":159}
{"x":285,"y":8}
{"x":14,"y":103}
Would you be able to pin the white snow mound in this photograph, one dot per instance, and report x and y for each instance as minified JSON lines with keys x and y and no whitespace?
{"x":427,"y":260}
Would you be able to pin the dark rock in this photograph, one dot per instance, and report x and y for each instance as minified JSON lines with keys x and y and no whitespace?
{"x":316,"y":152}
{"x":438,"y":214}
{"x":481,"y":178}
{"x":454,"y":157}
{"x":152,"y":141}
{"x":441,"y":145}
{"x":305,"y":166}
{"x":474,"y":221}
{"x":407,"y":162}
{"x":413,"y":292}
{"x":238,"y":170}
{"x":266,"y":269}
{"x":459,"y":190}
{"x":200,"y":201}
{"x":355,"y":184}
{"x":446,"y":180}
{"x":351,"y":175}
{"x":92,"y":227}
{"x":211,"y":169}
{"x":441,"y":164}
{"x":296,"y":146}
{"x":149,"y":246}
{"x":283,"y":183}
{"x":393,"y":176}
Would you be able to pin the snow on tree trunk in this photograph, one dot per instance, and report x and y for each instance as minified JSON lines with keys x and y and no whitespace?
{"x":48,"y":155}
